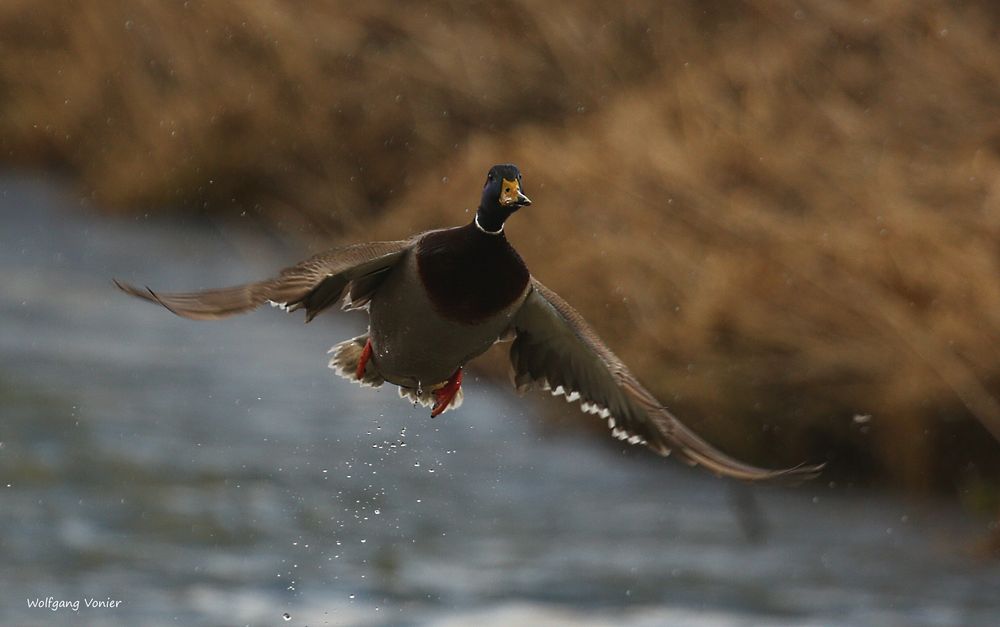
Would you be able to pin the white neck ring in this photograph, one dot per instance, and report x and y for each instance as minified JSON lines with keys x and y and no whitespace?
{"x":480,"y":227}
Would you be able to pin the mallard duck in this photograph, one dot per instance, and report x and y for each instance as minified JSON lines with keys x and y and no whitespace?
{"x":441,"y":298}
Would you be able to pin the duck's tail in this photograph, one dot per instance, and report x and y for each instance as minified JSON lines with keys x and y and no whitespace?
{"x":347,"y":356}
{"x":426,"y":396}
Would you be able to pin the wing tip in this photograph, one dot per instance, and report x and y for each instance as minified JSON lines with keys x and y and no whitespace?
{"x":794,"y":475}
{"x":801,"y":472}
{"x":722,"y":465}
{"x":128,"y":288}
{"x":146,"y":293}
{"x":154,"y":297}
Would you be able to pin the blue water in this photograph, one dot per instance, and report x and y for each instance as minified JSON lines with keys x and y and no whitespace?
{"x":219,"y":474}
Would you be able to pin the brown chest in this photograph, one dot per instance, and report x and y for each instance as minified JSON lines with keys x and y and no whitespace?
{"x":469,"y":275}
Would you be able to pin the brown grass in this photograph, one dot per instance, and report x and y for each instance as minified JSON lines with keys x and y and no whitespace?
{"x":781,"y":214}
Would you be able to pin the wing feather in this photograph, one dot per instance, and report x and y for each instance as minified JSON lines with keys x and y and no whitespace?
{"x":556,"y":350}
{"x":314,"y":284}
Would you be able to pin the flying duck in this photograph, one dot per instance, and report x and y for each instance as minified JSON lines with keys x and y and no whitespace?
{"x":441,"y":298}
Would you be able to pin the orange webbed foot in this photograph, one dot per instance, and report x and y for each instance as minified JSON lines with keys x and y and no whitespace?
{"x":366,"y":354}
{"x":446,"y":394}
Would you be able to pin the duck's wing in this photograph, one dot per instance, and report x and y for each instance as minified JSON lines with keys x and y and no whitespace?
{"x":556,"y":350}
{"x":314,"y":285}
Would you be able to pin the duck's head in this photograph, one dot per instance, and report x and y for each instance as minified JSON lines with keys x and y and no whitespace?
{"x":502,"y":196}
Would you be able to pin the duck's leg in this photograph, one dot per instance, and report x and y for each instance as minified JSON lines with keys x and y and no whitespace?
{"x":366,"y":354}
{"x":446,"y":394}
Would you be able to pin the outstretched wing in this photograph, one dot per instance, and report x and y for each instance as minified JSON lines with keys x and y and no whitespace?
{"x":313,"y":285}
{"x":556,"y":350}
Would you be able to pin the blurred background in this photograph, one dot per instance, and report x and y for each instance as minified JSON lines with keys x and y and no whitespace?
{"x":785,"y":216}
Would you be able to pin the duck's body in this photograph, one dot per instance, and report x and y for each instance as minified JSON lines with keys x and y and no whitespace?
{"x":433,"y":313}
{"x":442,"y":298}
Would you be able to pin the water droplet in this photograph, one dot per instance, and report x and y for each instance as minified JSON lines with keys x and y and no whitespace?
{"x":287,"y":616}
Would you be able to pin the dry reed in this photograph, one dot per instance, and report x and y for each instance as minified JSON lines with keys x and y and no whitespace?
{"x":782,"y":214}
